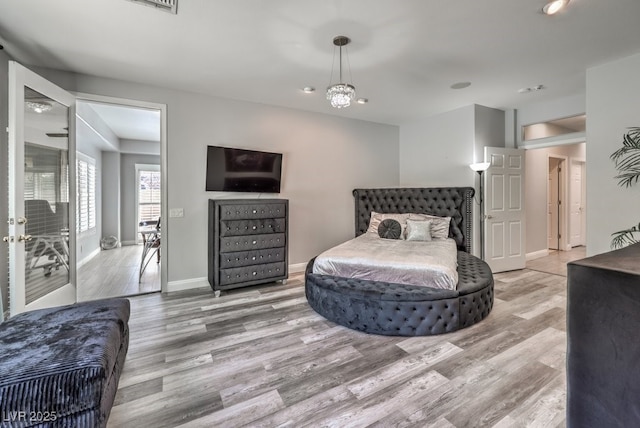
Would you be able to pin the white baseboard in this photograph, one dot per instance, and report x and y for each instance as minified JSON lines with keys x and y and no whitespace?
{"x":297,"y":267}
{"x":537,"y":254}
{"x":187,"y":284}
{"x":84,"y":261}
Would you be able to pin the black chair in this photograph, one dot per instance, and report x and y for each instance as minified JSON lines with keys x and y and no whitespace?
{"x":49,"y":236}
{"x":151,"y":243}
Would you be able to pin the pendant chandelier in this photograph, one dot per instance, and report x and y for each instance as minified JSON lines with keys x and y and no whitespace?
{"x":341,"y":94}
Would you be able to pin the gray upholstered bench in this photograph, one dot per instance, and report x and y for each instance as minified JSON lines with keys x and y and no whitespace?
{"x":60,"y":366}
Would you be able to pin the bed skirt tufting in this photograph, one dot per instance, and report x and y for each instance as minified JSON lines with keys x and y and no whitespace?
{"x":403,"y":310}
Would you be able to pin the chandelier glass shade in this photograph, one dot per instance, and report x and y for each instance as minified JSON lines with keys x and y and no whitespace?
{"x":341,"y":94}
{"x":38,"y":106}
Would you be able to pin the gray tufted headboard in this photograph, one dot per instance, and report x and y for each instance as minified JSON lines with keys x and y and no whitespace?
{"x":454,"y":202}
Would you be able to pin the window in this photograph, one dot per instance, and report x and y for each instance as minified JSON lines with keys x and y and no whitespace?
{"x":148,"y":192}
{"x":85,"y":194}
{"x":46,"y":174}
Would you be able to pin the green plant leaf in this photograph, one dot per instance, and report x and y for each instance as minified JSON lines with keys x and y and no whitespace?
{"x":622,"y":238}
{"x":627,"y":158}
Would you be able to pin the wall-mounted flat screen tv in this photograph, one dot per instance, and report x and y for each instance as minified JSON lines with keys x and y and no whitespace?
{"x":239,"y":170}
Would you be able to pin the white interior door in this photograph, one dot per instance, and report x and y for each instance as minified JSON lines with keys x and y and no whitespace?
{"x":553,"y":206}
{"x":576,"y":216}
{"x":41,"y":179}
{"x":504,"y":209}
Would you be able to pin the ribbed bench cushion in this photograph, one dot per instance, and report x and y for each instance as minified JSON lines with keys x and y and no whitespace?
{"x":63,"y":363}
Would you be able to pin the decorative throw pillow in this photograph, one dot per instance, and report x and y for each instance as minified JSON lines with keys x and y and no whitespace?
{"x":389,"y":229}
{"x":376,"y":218}
{"x":419,"y":230}
{"x":439,"y":225}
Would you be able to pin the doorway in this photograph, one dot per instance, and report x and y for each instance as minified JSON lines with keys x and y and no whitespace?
{"x":555,"y":194}
{"x":577,"y":198}
{"x":128,"y":138}
{"x":55,"y":200}
{"x":543,"y":223}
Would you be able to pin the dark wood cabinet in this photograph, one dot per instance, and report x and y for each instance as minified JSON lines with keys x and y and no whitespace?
{"x":248,"y":242}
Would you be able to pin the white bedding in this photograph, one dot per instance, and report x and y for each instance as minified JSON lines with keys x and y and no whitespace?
{"x":429,"y":263}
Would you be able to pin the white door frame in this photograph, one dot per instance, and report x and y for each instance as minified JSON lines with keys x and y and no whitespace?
{"x":164,"y":210}
{"x":19,"y":77}
{"x":563,"y":212}
{"x":579,"y":163}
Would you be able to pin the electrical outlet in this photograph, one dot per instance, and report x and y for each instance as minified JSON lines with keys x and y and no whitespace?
{"x":176,"y":212}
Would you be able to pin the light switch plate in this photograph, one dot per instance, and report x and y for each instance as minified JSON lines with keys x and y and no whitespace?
{"x":176,"y":212}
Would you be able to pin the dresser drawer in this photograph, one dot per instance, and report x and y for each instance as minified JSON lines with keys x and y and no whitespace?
{"x":252,"y":211}
{"x":251,"y":273}
{"x":252,"y":227}
{"x":248,"y":258}
{"x":252,"y":242}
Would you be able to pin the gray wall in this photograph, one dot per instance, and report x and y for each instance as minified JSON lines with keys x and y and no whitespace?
{"x":489,"y":125}
{"x":4,"y":209}
{"x":438,"y":150}
{"x":111,"y":194}
{"x":128,"y":221}
{"x":325,"y":157}
{"x":550,"y":110}
{"x":613,"y":105}
{"x":536,"y":177}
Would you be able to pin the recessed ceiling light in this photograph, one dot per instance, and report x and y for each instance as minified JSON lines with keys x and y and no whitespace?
{"x":460,"y":85}
{"x":554,"y":6}
{"x":362,"y":100}
{"x":531,"y":89}
{"x":308,"y":89}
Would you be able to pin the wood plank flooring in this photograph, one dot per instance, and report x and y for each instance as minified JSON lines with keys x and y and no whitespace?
{"x":262,"y":357}
{"x":114,"y":273}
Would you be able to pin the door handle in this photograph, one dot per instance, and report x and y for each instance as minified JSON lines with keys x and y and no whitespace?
{"x":23,"y":238}
{"x":7,"y":238}
{"x":21,"y":220}
{"x":488,"y":216}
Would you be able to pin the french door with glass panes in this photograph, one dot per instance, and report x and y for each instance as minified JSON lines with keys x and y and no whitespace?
{"x":41,"y":221}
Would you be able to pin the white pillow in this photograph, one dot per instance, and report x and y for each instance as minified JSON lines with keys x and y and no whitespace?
{"x":439,"y":225}
{"x":376,"y":219}
{"x":418,"y":230}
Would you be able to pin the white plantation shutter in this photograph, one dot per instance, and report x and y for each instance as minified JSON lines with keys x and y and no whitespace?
{"x":85,"y":194}
{"x":148,"y":194}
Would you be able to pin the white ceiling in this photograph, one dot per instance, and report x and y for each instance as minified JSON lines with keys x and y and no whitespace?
{"x":130,"y":123}
{"x":404,"y":56}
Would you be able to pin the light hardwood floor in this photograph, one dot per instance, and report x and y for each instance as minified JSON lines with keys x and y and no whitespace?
{"x":114,"y":273}
{"x":262,"y":357}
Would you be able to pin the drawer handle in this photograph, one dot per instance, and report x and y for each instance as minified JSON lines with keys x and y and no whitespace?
{"x":255,"y":273}
{"x":253,"y":258}
{"x":254,"y":242}
{"x":255,"y":211}
{"x":254,"y":227}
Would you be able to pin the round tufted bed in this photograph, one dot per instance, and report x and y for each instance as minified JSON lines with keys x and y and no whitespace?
{"x":408,"y":310}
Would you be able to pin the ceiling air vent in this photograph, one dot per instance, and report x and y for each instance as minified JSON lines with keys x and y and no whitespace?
{"x":170,"y":6}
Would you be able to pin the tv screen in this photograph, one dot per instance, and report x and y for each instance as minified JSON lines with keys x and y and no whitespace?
{"x":239,"y":170}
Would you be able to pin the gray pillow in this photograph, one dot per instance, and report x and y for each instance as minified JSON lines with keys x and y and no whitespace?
{"x":389,"y":229}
